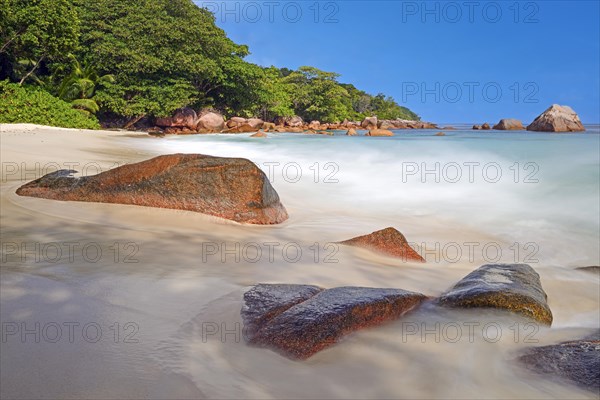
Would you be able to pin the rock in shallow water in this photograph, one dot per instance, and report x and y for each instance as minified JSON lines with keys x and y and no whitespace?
{"x":557,"y":119}
{"x":577,"y":362}
{"x":231,"y":188}
{"x":388,"y":241}
{"x":379,"y":132}
{"x":265,"y":301}
{"x":594,"y":269}
{"x":512,"y":287}
{"x":509,"y":124}
{"x":279,"y":316}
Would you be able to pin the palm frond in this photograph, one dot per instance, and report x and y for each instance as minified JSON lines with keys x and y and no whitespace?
{"x":88,"y":105}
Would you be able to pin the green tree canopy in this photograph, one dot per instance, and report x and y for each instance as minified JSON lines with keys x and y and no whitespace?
{"x":317,"y":95}
{"x":34,"y":32}
{"x":149,"y":43}
{"x":161,"y":55}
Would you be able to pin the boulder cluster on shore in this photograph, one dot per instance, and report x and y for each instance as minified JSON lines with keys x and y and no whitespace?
{"x":186,"y":121}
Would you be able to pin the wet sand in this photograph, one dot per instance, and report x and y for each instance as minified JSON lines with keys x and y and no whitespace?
{"x":154,"y":291}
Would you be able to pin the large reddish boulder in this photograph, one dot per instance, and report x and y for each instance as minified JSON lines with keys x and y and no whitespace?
{"x":314,"y":125}
{"x":211,"y":122}
{"x":294,"y":122}
{"x":267,"y":126}
{"x":231,"y":188}
{"x":255,"y":123}
{"x":182,"y":118}
{"x":387,"y":241}
{"x":244,"y":128}
{"x":557,"y":119}
{"x":369,"y":123}
{"x":385,"y":124}
{"x":298,"y":321}
{"x":235,"y":122}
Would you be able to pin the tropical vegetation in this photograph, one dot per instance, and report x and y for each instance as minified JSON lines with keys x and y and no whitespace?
{"x":115,"y":60}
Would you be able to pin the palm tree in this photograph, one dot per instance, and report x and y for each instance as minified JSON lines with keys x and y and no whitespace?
{"x":80,"y":85}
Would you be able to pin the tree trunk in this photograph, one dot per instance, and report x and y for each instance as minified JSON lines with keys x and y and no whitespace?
{"x":133,"y":121}
{"x":5,"y":45}
{"x":32,"y":70}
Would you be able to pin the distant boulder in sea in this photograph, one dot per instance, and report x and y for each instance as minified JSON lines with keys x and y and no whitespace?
{"x":230,"y":188}
{"x":509,"y":124}
{"x":486,"y":127}
{"x":557,"y":119}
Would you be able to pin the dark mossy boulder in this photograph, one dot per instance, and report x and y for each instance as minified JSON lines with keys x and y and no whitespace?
{"x":264,"y":302}
{"x":511,"y":287}
{"x":577,"y":362}
{"x":279,"y":317}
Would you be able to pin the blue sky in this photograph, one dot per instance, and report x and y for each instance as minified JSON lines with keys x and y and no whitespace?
{"x":449,"y":61}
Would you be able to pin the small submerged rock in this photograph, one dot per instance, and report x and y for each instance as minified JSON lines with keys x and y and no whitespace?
{"x":577,"y":362}
{"x":512,"y":287}
{"x":231,"y":188}
{"x":299,"y":321}
{"x":388,"y":241}
{"x":380,"y":132}
{"x":594,"y":269}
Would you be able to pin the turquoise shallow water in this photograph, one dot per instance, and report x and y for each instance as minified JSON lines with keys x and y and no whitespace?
{"x":522,"y":186}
